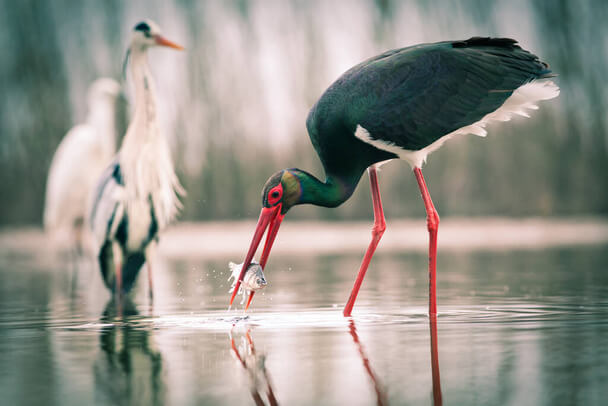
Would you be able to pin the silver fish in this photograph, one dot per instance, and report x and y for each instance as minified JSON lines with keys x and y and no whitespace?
{"x":253,"y":279}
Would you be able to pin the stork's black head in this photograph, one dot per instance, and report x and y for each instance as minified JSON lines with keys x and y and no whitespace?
{"x":277,"y":197}
{"x":283,"y":188}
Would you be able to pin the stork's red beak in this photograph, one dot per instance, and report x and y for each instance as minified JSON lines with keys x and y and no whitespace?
{"x":270,"y":218}
{"x":162,"y":41}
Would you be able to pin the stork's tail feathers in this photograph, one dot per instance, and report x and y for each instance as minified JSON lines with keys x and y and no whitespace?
{"x":508,"y":43}
{"x":507,"y":46}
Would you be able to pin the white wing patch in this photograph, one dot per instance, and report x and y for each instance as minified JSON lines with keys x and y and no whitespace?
{"x":523,"y":98}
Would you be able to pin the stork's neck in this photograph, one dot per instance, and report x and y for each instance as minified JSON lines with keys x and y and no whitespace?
{"x":331,"y":193}
{"x":145,"y":91}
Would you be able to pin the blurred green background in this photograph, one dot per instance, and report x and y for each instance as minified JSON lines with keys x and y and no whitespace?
{"x":235,"y":103}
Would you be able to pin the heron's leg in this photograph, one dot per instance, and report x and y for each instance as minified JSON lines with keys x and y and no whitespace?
{"x":118,"y":289}
{"x":118,"y":281}
{"x":377,"y":231}
{"x":150,"y":255}
{"x":78,"y":231}
{"x":432,"y":223}
{"x":150,"y":282}
{"x":74,"y":268}
{"x":76,"y":253}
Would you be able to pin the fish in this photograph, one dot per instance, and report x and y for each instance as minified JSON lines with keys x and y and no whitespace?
{"x":253,"y":280}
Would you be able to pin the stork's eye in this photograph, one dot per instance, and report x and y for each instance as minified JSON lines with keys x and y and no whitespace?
{"x":274,"y":195}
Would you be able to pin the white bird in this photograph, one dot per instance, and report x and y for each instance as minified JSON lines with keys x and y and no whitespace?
{"x":80,"y":159}
{"x":138,"y":195}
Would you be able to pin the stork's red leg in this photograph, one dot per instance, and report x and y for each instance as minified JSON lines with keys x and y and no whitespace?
{"x":432,"y":222}
{"x":377,"y":231}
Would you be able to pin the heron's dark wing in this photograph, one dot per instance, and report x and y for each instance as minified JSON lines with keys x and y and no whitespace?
{"x":414,"y":96}
{"x":107,"y":208}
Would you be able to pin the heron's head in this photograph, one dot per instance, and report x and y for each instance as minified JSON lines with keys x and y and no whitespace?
{"x":148,"y":34}
{"x":104,"y":89}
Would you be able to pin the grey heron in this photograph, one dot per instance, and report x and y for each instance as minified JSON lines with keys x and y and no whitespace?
{"x":138,"y":194}
{"x":83,"y":154}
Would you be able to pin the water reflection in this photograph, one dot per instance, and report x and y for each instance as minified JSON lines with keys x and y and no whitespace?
{"x":378,"y":387}
{"x":128,"y":369}
{"x":254,"y":364}
{"x":531,"y":331}
{"x":437,"y":397}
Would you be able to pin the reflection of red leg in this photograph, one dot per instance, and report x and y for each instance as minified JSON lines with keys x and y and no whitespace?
{"x":432,"y":222}
{"x":380,"y":394}
{"x":437,"y":399}
{"x":377,"y":231}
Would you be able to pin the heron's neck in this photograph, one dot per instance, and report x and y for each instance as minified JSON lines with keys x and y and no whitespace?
{"x":145,"y":157}
{"x":145,"y":93}
{"x":102,"y":117}
{"x":331,"y":193}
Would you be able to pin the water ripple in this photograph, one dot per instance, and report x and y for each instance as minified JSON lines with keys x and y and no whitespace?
{"x":331,"y":318}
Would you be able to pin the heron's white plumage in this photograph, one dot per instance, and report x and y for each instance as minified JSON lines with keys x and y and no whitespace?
{"x":523,"y":99}
{"x":79,"y":160}
{"x":107,"y":206}
{"x":138,"y":194}
{"x":145,"y":157}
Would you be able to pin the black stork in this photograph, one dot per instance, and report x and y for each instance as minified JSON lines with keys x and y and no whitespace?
{"x":137,"y":196}
{"x":404,"y":103}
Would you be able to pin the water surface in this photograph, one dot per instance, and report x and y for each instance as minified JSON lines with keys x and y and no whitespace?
{"x":515,"y":327}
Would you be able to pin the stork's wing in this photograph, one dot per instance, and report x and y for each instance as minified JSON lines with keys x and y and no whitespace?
{"x":414,"y":96}
{"x":107,"y":207}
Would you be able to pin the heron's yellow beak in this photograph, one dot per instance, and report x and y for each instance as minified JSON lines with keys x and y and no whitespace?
{"x":162,"y":41}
